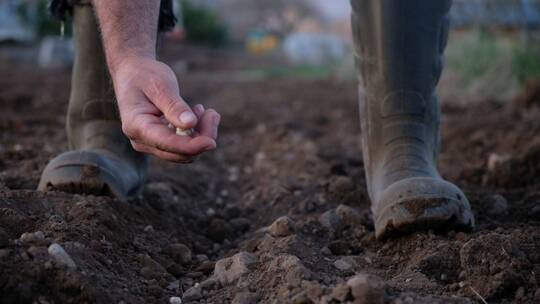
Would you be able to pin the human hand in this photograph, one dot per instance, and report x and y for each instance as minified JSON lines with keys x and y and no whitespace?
{"x":148,"y":99}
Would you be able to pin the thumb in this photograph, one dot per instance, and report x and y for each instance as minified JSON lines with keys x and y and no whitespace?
{"x":175,"y":109}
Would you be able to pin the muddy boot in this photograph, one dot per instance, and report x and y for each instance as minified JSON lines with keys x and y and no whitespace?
{"x":102,"y":161}
{"x":399,"y":47}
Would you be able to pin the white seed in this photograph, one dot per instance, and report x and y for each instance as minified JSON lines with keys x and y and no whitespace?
{"x":183,"y":132}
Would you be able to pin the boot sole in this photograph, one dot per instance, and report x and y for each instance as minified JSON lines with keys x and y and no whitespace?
{"x":417,"y":204}
{"x":85,"y":172}
{"x":439,"y":214}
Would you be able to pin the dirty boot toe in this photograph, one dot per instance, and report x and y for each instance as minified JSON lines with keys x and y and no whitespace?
{"x":422,"y":203}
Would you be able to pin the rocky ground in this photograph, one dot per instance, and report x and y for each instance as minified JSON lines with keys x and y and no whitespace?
{"x":279,"y":214}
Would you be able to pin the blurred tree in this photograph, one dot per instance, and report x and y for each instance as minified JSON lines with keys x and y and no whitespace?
{"x":202,"y":25}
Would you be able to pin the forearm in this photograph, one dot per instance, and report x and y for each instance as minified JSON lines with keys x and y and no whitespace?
{"x":128,"y":28}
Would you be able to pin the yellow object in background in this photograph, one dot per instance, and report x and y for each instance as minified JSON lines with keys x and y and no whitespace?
{"x":259,"y":42}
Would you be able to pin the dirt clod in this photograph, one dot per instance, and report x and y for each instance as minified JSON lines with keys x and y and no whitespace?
{"x":228,"y":270}
{"x":281,"y":227}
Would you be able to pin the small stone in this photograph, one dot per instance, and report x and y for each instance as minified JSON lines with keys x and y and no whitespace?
{"x":31,"y":237}
{"x":496,"y":160}
{"x":314,"y":290}
{"x":348,"y":215}
{"x":174,"y":285}
{"x":341,"y":185}
{"x":496,"y":205}
{"x":367,"y":289}
{"x":180,"y":253}
{"x":228,"y":270}
{"x":219,"y":230}
{"x":293,"y":269}
{"x":61,"y":256}
{"x":206,"y":267}
{"x":209,"y":284}
{"x":175,"y":300}
{"x":281,"y":227}
{"x":201,"y":258}
{"x":193,"y":294}
{"x":339,"y":218}
{"x":343,"y":265}
{"x":150,"y":268}
{"x":330,"y":220}
{"x":341,"y":292}
{"x":326,"y":251}
{"x":300,"y":298}
{"x":149,"y":229}
{"x":246,"y":298}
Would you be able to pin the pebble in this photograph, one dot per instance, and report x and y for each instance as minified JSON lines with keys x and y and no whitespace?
{"x":343,"y":265}
{"x":349,"y":216}
{"x":496,"y":205}
{"x":367,"y":289}
{"x":61,"y":256}
{"x":330,"y":220}
{"x":246,"y":298}
{"x":228,"y":270}
{"x":180,"y":253}
{"x":209,"y":284}
{"x":150,"y":268}
{"x":282,"y":227}
{"x":201,"y":258}
{"x":496,"y":160}
{"x":149,"y":229}
{"x":206,"y":267}
{"x":341,"y":292}
{"x":193,"y":294}
{"x":342,"y":216}
{"x":175,"y":300}
{"x":30,"y":237}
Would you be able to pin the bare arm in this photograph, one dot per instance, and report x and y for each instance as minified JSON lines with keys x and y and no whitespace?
{"x":147,"y":90}
{"x":129,"y":28}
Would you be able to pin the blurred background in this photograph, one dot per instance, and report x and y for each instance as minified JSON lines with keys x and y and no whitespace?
{"x":493,"y":50}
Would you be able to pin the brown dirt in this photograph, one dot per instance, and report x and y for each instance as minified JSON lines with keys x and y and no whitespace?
{"x":288,"y":147}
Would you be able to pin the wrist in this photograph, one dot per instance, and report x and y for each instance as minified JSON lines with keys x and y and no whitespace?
{"x":117,"y":64}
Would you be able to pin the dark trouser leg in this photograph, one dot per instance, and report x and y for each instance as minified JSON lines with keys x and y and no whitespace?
{"x":399,"y":47}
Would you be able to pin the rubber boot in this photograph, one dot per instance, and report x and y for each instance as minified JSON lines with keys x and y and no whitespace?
{"x":399,"y":47}
{"x":101,"y":160}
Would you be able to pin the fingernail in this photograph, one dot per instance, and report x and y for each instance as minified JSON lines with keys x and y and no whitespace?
{"x":187,"y":118}
{"x":200,"y":107}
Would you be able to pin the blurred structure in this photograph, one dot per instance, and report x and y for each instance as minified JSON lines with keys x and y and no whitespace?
{"x":12,"y":28}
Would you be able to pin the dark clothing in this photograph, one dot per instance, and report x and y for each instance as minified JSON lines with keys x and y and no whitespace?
{"x":167,"y":20}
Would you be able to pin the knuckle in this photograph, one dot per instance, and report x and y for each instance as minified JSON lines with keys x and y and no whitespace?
{"x":129,"y":131}
{"x":137,"y":147}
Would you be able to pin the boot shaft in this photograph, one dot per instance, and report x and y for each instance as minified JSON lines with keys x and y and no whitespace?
{"x":399,"y":46}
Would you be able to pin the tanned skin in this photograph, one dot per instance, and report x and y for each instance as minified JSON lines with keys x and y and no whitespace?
{"x":147,"y":89}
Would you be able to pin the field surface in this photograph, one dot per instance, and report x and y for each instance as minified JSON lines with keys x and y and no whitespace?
{"x":289,"y":146}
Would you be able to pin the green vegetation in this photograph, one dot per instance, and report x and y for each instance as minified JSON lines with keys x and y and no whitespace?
{"x":526,"y":64}
{"x":202,"y":25}
{"x":490,"y":64}
{"x":475,"y":54}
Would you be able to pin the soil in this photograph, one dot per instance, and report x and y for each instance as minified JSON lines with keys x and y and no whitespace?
{"x":288,"y":147}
